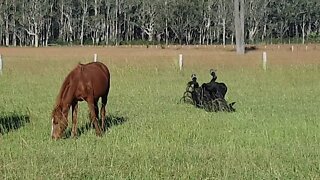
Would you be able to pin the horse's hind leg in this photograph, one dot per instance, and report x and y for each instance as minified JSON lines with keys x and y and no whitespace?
{"x":93,"y":116}
{"x":103,"y":112}
{"x":96,"y":109}
{"x":74,"y":119}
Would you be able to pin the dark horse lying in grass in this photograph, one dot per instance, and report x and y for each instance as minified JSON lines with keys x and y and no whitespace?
{"x":215,"y":89}
{"x":86,"y":82}
{"x":209,"y":96}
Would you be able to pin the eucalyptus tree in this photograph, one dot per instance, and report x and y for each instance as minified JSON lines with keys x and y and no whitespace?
{"x":46,"y":25}
{"x":39,"y":22}
{"x":305,"y":14}
{"x":18,"y":24}
{"x":8,"y":21}
{"x":84,"y":14}
{"x":96,"y":22}
{"x":239,"y":25}
{"x":166,"y":11}
{"x":205,"y":21}
{"x":5,"y":12}
{"x":1,"y":20}
{"x":313,"y":18}
{"x":14,"y":17}
{"x":108,"y":8}
{"x":223,"y":20}
{"x":255,"y":17}
{"x":36,"y":16}
{"x":145,"y":16}
{"x":129,"y":14}
{"x":280,"y":16}
{"x":184,"y":20}
{"x":65,"y":15}
{"x":164,"y":20}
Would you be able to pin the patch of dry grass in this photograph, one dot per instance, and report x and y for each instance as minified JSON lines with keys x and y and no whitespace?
{"x":211,"y":56}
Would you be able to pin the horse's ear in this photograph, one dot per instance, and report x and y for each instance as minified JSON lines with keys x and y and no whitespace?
{"x":232,"y":109}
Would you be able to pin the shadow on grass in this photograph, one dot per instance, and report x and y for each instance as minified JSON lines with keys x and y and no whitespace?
{"x":11,"y":122}
{"x":110,"y":121}
{"x":246,"y":48}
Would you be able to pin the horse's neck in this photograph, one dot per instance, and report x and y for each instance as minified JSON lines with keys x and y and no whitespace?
{"x":66,"y":96}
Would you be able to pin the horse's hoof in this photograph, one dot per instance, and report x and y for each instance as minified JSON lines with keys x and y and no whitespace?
{"x":74,"y":136}
{"x":99,"y":134}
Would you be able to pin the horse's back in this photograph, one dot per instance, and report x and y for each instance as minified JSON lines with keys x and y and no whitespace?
{"x":95,"y":76}
{"x":94,"y":68}
{"x":217,"y":88}
{"x":101,"y":66}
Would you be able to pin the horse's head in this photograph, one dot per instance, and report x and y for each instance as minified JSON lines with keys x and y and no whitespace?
{"x":194,"y":77}
{"x":213,"y":74}
{"x":59,"y":123}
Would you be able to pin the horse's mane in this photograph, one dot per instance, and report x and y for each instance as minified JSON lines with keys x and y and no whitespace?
{"x":62,"y":90}
{"x":65,"y":85}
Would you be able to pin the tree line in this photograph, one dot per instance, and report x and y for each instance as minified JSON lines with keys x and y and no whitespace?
{"x":114,"y":22}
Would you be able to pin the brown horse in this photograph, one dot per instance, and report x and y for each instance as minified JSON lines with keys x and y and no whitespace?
{"x":86,"y":82}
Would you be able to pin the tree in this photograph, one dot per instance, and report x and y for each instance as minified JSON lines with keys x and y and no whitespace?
{"x":239,"y":25}
{"x":40,"y":22}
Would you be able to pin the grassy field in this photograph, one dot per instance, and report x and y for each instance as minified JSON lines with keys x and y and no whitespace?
{"x":274,"y":134}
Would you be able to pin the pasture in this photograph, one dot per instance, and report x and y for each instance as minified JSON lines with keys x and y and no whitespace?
{"x":274,"y":133}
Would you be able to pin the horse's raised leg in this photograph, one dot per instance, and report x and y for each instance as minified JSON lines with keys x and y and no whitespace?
{"x":103,"y":112}
{"x":74,"y":119}
{"x":93,"y":116}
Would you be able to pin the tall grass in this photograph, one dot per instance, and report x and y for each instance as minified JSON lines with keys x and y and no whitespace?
{"x":273,"y":134}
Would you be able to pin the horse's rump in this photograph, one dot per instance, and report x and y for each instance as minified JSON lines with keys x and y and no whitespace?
{"x":96,"y":76}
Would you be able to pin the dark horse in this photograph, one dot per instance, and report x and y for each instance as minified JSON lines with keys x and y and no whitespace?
{"x":86,"y":82}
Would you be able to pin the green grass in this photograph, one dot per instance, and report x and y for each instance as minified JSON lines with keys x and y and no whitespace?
{"x":274,"y":134}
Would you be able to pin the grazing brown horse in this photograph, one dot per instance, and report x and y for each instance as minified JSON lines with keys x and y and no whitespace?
{"x":86,"y":82}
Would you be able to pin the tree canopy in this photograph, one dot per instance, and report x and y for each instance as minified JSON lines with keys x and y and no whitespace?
{"x":114,"y":22}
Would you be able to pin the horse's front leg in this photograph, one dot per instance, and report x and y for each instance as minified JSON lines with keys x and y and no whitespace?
{"x":93,"y":116}
{"x":74,"y":119}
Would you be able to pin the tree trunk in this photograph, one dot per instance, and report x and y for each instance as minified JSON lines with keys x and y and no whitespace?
{"x":166,"y":23}
{"x":96,"y":29}
{"x":107,"y":24}
{"x":309,"y":30}
{"x":224,"y":31}
{"x":82,"y":29}
{"x":84,"y":8}
{"x":36,"y":35}
{"x":264,"y":32}
{"x":200,"y":36}
{"x":297,"y":30}
{"x":14,"y":33}
{"x":303,"y":28}
{"x":6,"y":30}
{"x":242,"y":41}
{"x":62,"y":24}
{"x":239,"y":25}
{"x":1,"y":36}
{"x":116,"y":22}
